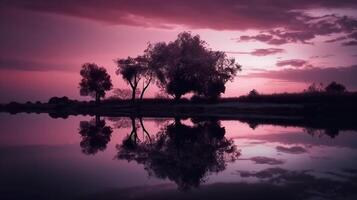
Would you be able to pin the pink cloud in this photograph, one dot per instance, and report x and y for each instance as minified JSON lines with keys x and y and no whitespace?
{"x":292,"y":62}
{"x":261,"y":52}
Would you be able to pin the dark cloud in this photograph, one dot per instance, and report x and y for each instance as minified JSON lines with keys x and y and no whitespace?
{"x":260,"y":52}
{"x":279,"y":21}
{"x":26,"y":65}
{"x":344,"y":75}
{"x":224,"y":14}
{"x":350,"y":43}
{"x":266,"y":160}
{"x":322,"y":56}
{"x":351,"y":37}
{"x":291,"y":150}
{"x":305,"y":32}
{"x":292,"y":62}
{"x":265,"y":52}
{"x":266,"y":173}
{"x":336,"y":39}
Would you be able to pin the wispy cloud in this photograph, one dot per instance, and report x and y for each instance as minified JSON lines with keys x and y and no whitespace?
{"x":345,"y":75}
{"x":260,"y":52}
{"x":28,"y":65}
{"x":292,"y":63}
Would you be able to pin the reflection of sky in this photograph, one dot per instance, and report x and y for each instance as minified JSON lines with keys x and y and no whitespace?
{"x":44,"y":153}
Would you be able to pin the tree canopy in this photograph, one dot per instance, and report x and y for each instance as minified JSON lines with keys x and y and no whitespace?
{"x":95,"y":135}
{"x":132,"y":71}
{"x":181,"y":153}
{"x":188,"y":65}
{"x":95,"y":81}
{"x":334,"y":87}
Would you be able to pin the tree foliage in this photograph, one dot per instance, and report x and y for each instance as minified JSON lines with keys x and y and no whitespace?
{"x":334,"y":87}
{"x":95,"y":135}
{"x":183,"y":154}
{"x":95,"y":81}
{"x":188,"y":65}
{"x":132,"y":71}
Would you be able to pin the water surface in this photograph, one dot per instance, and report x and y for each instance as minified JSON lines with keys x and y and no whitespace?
{"x":86,"y":157}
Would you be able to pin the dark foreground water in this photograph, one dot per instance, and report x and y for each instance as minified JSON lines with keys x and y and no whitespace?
{"x":116,"y":158}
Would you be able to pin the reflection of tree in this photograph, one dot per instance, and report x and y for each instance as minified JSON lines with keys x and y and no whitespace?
{"x":95,"y":135}
{"x":132,"y":140}
{"x":183,"y":154}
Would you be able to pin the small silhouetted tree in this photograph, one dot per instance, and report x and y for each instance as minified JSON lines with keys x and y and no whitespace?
{"x":95,"y":81}
{"x":334,"y":87}
{"x":314,"y":88}
{"x":253,"y":93}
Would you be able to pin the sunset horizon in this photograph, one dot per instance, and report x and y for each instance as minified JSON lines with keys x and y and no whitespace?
{"x":281,"y":46}
{"x":178,"y":99}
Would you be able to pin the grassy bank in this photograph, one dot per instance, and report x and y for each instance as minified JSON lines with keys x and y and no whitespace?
{"x":288,"y":105}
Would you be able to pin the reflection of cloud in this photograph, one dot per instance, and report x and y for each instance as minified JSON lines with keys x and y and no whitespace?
{"x":266,"y":160}
{"x":346,"y":139}
{"x":350,"y":171}
{"x":291,"y":150}
{"x":320,"y":157}
{"x":313,"y":188}
{"x":266,"y":173}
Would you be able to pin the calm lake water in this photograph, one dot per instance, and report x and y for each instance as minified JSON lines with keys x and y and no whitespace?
{"x":84,"y":157}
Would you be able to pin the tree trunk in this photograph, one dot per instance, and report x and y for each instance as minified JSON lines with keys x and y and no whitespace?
{"x":143,"y":127}
{"x":144,"y":89}
{"x":133,"y":93}
{"x":177,"y":121}
{"x":177,"y":97}
{"x":97,"y":120}
{"x":97,"y":98}
{"x":133,"y":134}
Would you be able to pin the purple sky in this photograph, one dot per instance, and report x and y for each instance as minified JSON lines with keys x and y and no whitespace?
{"x":282,"y":45}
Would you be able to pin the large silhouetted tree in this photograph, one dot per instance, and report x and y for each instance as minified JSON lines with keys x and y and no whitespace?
{"x":188,"y":65}
{"x":95,"y":81}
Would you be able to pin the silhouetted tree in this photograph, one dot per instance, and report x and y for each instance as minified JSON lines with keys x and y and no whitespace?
{"x":95,"y":81}
{"x":183,"y":154}
{"x":314,"y":88}
{"x":334,"y":87}
{"x":253,"y":93}
{"x":95,"y":135}
{"x":132,"y":71}
{"x":188,"y":65}
{"x":119,"y":93}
